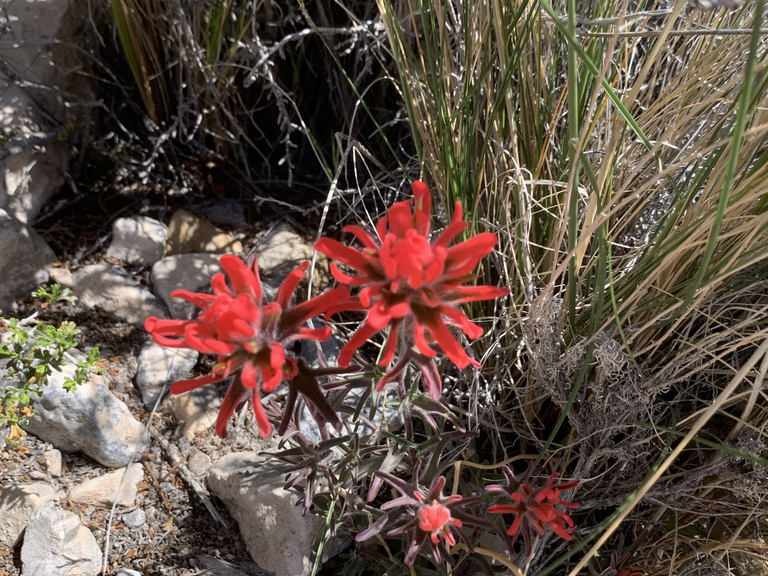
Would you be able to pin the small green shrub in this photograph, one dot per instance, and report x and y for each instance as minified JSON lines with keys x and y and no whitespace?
{"x":29,"y":351}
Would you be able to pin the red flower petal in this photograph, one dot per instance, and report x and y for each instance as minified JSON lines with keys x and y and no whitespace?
{"x":182,"y":386}
{"x":400,"y":218}
{"x":449,"y":344}
{"x":199,"y":300}
{"x":464,"y":294}
{"x":236,"y":395}
{"x":463,"y":257}
{"x":422,"y":207}
{"x":202,"y":338}
{"x":363,"y":236}
{"x":392,"y":342}
{"x":244,"y":281}
{"x":456,"y":227}
{"x":288,"y":287}
{"x":344,"y":254}
{"x":457,"y":317}
{"x":359,"y":338}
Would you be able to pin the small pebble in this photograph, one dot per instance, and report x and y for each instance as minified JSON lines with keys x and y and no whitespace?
{"x":127,"y":572}
{"x":135,"y":519}
{"x":198,"y":462}
{"x":37,"y":475}
{"x":52,"y":462}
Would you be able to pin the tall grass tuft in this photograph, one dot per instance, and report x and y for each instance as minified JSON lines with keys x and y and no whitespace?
{"x":619,"y":150}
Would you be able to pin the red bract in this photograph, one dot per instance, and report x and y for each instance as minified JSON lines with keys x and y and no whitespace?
{"x":428,"y":516}
{"x":533,"y":509}
{"x":250,"y":339}
{"x":413,"y":286}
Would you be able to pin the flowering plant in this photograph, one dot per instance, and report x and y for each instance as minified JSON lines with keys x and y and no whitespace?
{"x":413,"y":286}
{"x":426,"y":516}
{"x":251,"y":340}
{"x":532,"y":508}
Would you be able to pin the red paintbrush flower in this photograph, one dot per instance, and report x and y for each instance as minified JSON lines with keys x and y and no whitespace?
{"x":533,"y":509}
{"x":426,"y":517}
{"x":413,"y":285}
{"x":250,"y":339}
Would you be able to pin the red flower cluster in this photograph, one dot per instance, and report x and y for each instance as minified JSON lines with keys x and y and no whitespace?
{"x":433,"y":517}
{"x":413,"y":286}
{"x":535,"y":508}
{"x":249,"y":338}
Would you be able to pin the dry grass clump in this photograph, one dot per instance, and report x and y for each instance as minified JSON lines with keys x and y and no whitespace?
{"x":247,"y":95}
{"x":614,"y":149}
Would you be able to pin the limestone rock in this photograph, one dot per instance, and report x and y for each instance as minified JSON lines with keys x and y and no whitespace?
{"x":138,"y":240}
{"x":57,"y":544}
{"x":116,"y":293}
{"x":197,"y":409}
{"x":188,"y":233}
{"x":17,"y":504}
{"x":35,"y":158}
{"x":159,"y":365}
{"x":217,"y":567}
{"x":52,"y":462}
{"x":198,"y":462}
{"x":121,"y":485}
{"x":191,"y":272}
{"x":90,"y":420}
{"x":135,"y":519}
{"x":281,"y":249}
{"x":23,"y":258}
{"x":276,"y":535}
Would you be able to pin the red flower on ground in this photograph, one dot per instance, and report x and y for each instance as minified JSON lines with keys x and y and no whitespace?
{"x":430,"y":516}
{"x":533,"y":509}
{"x":250,"y":339}
{"x":413,"y":286}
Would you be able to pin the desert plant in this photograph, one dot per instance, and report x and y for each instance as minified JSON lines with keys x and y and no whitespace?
{"x":31,"y":350}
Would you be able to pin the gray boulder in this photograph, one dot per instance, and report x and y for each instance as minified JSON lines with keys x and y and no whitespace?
{"x":57,"y":544}
{"x":23,"y":258}
{"x":191,"y":272}
{"x":277,"y":536}
{"x":41,"y":84}
{"x":159,"y":366}
{"x":90,"y":420}
{"x":138,"y":240}
{"x":111,"y":289}
{"x":17,"y":504}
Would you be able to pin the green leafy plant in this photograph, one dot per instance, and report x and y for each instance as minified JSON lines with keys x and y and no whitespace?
{"x":29,"y":353}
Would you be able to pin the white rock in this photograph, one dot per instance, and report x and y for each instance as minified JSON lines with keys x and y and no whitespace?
{"x":138,"y":240}
{"x":120,"y":485}
{"x":116,"y":293}
{"x":135,"y":519}
{"x":197,"y":409}
{"x":277,"y":537}
{"x":198,"y":462}
{"x":56,"y":544}
{"x":90,"y":420}
{"x":281,"y":250}
{"x":17,"y":504}
{"x":33,"y":167}
{"x":189,"y":234}
{"x":127,"y":572}
{"x":159,"y":366}
{"x":52,"y":462}
{"x":210,"y":566}
{"x":191,"y":272}
{"x":23,"y":258}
